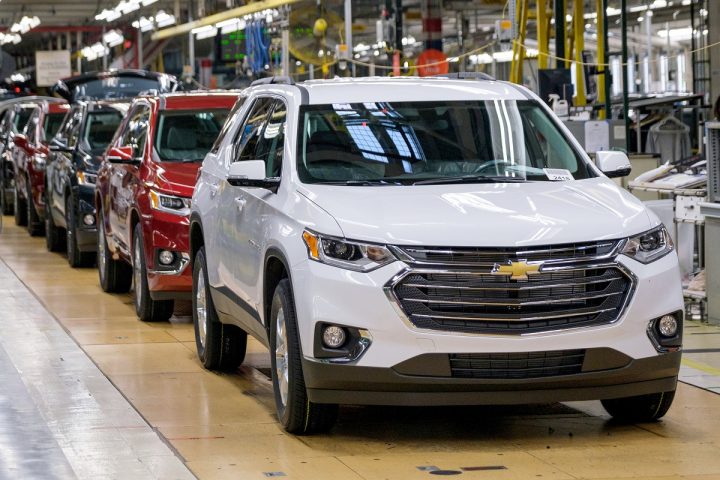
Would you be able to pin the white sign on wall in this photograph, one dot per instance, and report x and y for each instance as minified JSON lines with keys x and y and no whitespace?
{"x":51,"y":66}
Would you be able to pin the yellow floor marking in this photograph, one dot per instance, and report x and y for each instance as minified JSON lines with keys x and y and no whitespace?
{"x":701,"y":366}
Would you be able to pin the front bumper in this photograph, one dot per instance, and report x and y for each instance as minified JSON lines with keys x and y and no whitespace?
{"x":164,"y":231}
{"x":325,"y":294}
{"x":84,"y":205}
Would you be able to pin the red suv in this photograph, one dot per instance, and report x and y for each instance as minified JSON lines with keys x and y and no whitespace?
{"x":30,"y":154}
{"x":143,"y":192}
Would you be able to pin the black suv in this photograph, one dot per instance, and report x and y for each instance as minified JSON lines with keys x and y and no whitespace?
{"x":75,"y":155}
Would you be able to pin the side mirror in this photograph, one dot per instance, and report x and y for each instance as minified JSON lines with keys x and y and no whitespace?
{"x":613,"y":163}
{"x":122,"y":155}
{"x":60,"y":148}
{"x":251,"y":173}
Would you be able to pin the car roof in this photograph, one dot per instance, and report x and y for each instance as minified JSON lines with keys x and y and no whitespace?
{"x":195,"y":100}
{"x":401,"y":89}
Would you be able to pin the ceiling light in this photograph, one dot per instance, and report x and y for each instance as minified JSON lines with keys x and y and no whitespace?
{"x":25,"y":25}
{"x":113,"y":38}
{"x":144,"y":24}
{"x":164,"y":19}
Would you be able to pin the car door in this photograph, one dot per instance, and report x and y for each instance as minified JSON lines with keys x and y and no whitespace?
{"x":24,"y":150}
{"x":123,"y":178}
{"x":59,"y":169}
{"x":235,"y":252}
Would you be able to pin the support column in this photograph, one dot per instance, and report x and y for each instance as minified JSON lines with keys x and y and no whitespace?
{"x":140,"y":47}
{"x":348,"y":33}
{"x":579,"y":34}
{"x":432,"y":24}
{"x":714,"y":53}
{"x":560,"y":32}
{"x":79,"y":46}
{"x":626,"y":80}
{"x":543,"y":38}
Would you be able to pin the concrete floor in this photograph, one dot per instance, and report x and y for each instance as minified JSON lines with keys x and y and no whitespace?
{"x":223,"y":426}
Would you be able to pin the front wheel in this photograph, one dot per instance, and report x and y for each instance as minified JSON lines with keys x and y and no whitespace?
{"x":54,"y":236}
{"x":34,"y":225}
{"x":147,"y":309}
{"x":20,"y":209}
{"x":219,"y":346}
{"x":115,"y":275}
{"x":296,"y":412}
{"x":76,"y":258}
{"x":642,"y":408}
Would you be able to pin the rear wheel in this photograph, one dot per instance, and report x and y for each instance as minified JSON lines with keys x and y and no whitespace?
{"x":54,"y":236}
{"x":7,"y":207}
{"x":219,"y":346}
{"x":34,"y":225}
{"x":147,"y":309}
{"x":76,"y":258}
{"x":115,"y":275}
{"x":642,"y":408}
{"x":296,"y":412}
{"x":20,"y":209}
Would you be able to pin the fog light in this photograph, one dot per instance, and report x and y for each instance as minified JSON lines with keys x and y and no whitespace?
{"x":333,"y":336}
{"x":89,"y":219}
{"x":668,"y":326}
{"x":166,"y":257}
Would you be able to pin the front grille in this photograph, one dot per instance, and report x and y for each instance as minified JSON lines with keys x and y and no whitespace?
{"x":516,"y":365}
{"x":473,"y":300}
{"x":483,"y":256}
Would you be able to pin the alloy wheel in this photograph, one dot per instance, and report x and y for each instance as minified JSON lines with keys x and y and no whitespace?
{"x":137,"y":273}
{"x":281,"y":355}
{"x":102,"y":261}
{"x":201,"y":309}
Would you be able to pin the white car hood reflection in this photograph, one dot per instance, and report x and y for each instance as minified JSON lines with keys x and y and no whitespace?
{"x":501,"y":215}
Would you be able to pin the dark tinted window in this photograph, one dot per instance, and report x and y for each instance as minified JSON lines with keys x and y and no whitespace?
{"x":135,"y":133}
{"x":412,"y":141}
{"x":251,"y":130}
{"x":230,"y":121}
{"x":271,"y":141}
{"x":52,"y":124}
{"x":188,"y":135}
{"x":22,"y":117}
{"x":100,"y":129}
{"x":116,"y":87}
{"x":31,"y":129}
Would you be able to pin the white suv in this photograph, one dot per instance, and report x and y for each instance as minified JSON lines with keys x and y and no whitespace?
{"x":424,"y":242}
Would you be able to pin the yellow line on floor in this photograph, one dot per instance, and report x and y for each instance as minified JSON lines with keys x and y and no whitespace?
{"x":700,"y":366}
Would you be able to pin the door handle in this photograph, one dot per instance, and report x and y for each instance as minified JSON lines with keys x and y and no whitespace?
{"x":240,"y":202}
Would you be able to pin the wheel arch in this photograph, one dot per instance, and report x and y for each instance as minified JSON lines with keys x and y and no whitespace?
{"x":275,"y":268}
{"x":197,"y":238}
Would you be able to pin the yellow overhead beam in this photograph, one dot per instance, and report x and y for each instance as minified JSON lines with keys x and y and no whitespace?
{"x":219,"y":17}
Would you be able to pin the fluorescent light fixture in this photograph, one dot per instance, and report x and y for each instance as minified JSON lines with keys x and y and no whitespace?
{"x":6,"y":38}
{"x":25,"y":25}
{"x":231,"y":25}
{"x":122,"y":8}
{"x":207,"y":31}
{"x":113,"y":38}
{"x":94,"y":51}
{"x":144,"y":24}
{"x":164,"y":19}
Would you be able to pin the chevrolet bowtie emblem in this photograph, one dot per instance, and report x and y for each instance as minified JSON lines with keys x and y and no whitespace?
{"x":519,"y":270}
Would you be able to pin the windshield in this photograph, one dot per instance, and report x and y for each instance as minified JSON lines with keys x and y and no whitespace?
{"x":101,"y":128}
{"x":186,"y":136}
{"x":116,"y":87}
{"x":52,"y":124}
{"x":440,"y":141}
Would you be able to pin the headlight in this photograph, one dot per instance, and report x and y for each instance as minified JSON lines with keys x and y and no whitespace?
{"x":170,"y":203}
{"x":649,"y":246}
{"x":361,"y":257}
{"x":85,"y":178}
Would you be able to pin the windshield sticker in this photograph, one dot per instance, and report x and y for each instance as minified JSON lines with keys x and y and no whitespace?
{"x":558,"y":174}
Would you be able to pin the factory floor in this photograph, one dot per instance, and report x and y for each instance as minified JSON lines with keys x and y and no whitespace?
{"x":89,"y":391}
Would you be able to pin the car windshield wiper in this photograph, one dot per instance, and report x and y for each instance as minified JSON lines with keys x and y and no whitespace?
{"x":470,"y":179}
{"x":363,"y":183}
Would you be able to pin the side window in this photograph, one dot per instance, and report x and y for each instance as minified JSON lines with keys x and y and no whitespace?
{"x":231,"y":119}
{"x":271,"y":142}
{"x":64,"y":135}
{"x":73,"y":133}
{"x":31,"y":128}
{"x":135,"y":134}
{"x":249,"y":134}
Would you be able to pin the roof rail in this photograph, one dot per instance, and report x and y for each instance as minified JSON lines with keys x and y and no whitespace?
{"x":273,"y":80}
{"x":466,"y":76}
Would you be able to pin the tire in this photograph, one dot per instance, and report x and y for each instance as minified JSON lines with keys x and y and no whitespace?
{"x":147,"y":309}
{"x":75,"y":257}
{"x":643,"y":408}
{"x":34,"y":225}
{"x":54,"y":236}
{"x":219,"y":346}
{"x":296,"y":412}
{"x":115,"y":275}
{"x":7,"y":207}
{"x":20,"y":210}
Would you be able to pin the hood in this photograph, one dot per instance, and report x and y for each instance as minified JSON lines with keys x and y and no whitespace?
{"x":176,"y":178}
{"x":489,"y":215}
